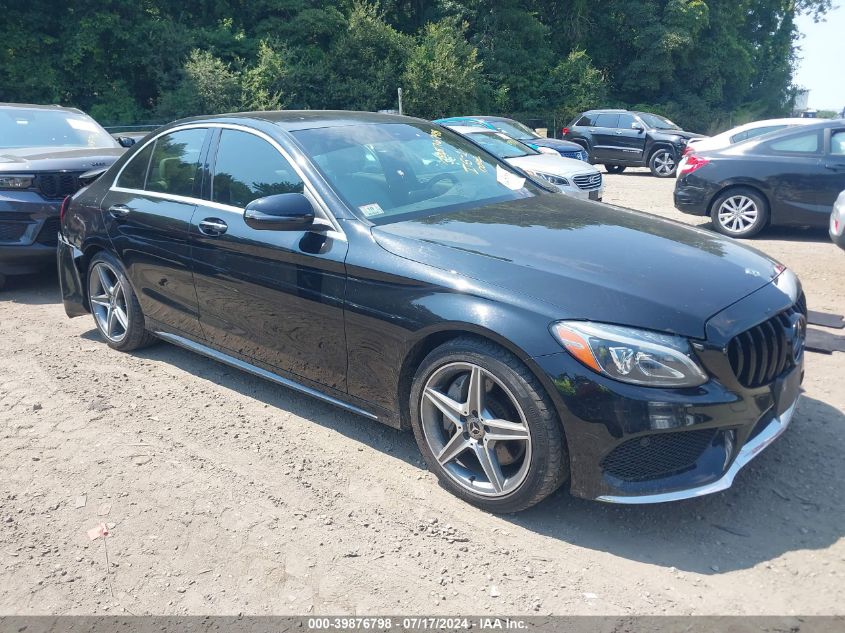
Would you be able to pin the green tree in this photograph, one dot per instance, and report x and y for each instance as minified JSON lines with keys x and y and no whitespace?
{"x":443,"y":74}
{"x":207,"y":85}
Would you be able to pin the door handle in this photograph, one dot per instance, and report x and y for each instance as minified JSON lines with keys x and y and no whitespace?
{"x":835,"y":166}
{"x":119,"y":211}
{"x":213,"y":227}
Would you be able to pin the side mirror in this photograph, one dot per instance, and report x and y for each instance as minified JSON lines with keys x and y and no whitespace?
{"x":637,"y":127}
{"x":282,"y":212}
{"x":126,"y":141}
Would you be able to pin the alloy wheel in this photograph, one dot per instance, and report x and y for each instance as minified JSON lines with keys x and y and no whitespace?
{"x":664,"y":163}
{"x":476,"y":429}
{"x":108,"y":302}
{"x":737,"y":214}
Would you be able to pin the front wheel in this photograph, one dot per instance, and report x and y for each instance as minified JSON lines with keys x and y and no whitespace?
{"x":614,"y":169}
{"x":117,"y":313}
{"x":486,"y":427}
{"x":739,"y":213}
{"x":662,"y":163}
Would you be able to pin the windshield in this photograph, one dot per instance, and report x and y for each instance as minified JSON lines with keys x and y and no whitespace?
{"x":657,"y":122}
{"x":501,"y":145}
{"x":50,"y":128}
{"x":390,"y":170}
{"x":514,"y":129}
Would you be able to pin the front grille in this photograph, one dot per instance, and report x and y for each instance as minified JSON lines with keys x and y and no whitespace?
{"x":57,"y":184}
{"x":49,"y":233}
{"x":588,"y":182}
{"x":657,"y":456}
{"x":12,"y":231}
{"x":765,"y":351}
{"x":577,"y":155}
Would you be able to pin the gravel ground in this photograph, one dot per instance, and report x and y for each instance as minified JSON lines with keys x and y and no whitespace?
{"x":225,"y":494}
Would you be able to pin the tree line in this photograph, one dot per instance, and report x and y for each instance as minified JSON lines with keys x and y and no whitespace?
{"x":704,"y":63}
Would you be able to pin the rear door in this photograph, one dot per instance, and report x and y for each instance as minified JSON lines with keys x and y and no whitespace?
{"x":148,"y":212}
{"x":273,"y":296}
{"x":603,"y":132}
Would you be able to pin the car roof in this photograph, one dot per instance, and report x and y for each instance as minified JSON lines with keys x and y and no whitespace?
{"x":36,"y":106}
{"x":608,"y":111}
{"x":292,"y":120}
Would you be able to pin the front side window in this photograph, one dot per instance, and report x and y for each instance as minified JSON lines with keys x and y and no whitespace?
{"x":607,"y":120}
{"x":248,"y":168}
{"x":502,"y":145}
{"x":134,"y":174}
{"x":657,"y":122}
{"x":175,"y":162}
{"x":807,"y":143}
{"x":626,"y":121}
{"x":37,"y":127}
{"x":837,"y":143}
{"x":386,"y":171}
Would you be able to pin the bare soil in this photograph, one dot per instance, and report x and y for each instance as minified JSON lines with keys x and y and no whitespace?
{"x":227,"y":494}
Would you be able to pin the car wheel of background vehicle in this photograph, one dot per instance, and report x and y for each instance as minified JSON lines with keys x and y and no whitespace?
{"x":486,"y":427}
{"x":739,"y":212}
{"x":115,"y":307}
{"x":662,"y":163}
{"x":614,"y":169}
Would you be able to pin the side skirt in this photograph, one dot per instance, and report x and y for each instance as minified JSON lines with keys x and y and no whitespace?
{"x":261,"y":373}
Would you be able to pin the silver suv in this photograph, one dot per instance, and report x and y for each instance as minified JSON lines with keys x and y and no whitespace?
{"x":44,"y":150}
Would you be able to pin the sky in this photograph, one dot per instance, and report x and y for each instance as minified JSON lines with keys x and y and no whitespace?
{"x":822,"y":50}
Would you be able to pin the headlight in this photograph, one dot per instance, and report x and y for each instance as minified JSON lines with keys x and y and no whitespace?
{"x":15,"y":182}
{"x":552,"y":179}
{"x":637,"y":356}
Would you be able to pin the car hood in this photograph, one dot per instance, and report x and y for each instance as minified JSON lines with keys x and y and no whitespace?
{"x":680,"y":133}
{"x":551,"y":164}
{"x":554,"y":143}
{"x":586,"y":260}
{"x":57,"y":158}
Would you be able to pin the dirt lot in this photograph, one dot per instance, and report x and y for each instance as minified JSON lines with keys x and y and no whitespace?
{"x":228,"y":494}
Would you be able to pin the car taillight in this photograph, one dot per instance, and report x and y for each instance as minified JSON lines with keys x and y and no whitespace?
{"x":565,"y":131}
{"x":63,"y":209}
{"x":688,"y":150}
{"x":693,"y":162}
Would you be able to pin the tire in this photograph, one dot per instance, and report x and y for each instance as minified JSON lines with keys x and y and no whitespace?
{"x":110,"y":296}
{"x":529,"y":464}
{"x":739,"y":212}
{"x":615,"y":169}
{"x":663,"y":163}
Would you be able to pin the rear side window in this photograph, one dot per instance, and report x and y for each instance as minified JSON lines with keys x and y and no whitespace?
{"x":247,"y":168}
{"x":175,"y":162}
{"x":586,"y":120}
{"x":606,"y":120}
{"x":747,"y":134}
{"x":134,"y":174}
{"x":807,"y":143}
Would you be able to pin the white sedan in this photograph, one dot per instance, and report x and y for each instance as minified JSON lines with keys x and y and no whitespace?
{"x":572,"y":177}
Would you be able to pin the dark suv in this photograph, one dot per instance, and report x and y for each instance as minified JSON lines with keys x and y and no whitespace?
{"x":44,"y":150}
{"x":619,"y":139}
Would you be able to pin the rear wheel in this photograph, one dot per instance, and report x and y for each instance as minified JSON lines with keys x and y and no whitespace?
{"x":117,"y":313}
{"x":614,"y":169}
{"x":739,"y":212}
{"x":662,"y":163}
{"x":486,"y":427}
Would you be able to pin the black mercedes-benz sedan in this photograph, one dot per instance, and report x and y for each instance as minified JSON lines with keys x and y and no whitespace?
{"x":390,"y":267}
{"x":788,"y":177}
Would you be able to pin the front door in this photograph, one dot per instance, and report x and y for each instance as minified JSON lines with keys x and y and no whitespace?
{"x":630,"y":140}
{"x":834,"y":165}
{"x":273,"y":296}
{"x":148,"y":214}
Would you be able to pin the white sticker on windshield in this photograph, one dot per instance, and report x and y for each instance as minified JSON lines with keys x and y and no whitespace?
{"x":371,"y":210}
{"x":82,"y":124}
{"x":509,"y":180}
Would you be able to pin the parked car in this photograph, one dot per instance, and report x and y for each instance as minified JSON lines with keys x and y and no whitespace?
{"x":572,"y":177}
{"x":44,"y":150}
{"x":393,"y":268}
{"x":619,"y":139}
{"x":788,"y":177}
{"x":837,"y":221}
{"x":520,"y":132}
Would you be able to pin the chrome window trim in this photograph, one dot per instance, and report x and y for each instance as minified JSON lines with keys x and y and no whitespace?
{"x":336,"y":233}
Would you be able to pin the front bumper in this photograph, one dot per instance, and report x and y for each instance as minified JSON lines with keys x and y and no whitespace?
{"x":28,"y":229}
{"x":596,"y":195}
